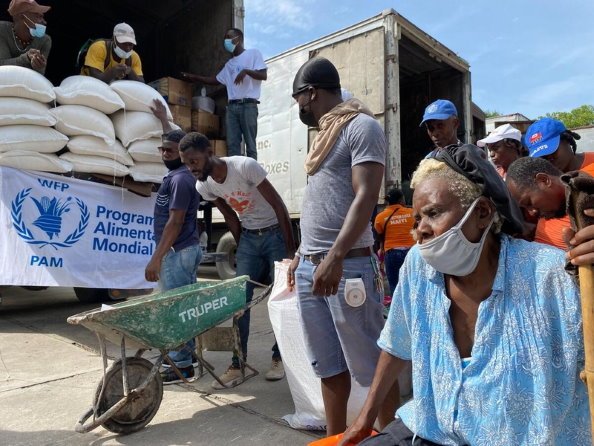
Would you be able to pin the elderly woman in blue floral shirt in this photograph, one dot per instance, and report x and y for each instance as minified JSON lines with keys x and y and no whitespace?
{"x":492,"y":324}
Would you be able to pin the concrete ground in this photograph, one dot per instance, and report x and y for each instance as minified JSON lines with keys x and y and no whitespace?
{"x":49,"y":371}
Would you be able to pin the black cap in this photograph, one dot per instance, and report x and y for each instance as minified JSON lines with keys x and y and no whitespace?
{"x":467,"y":160}
{"x":317,"y":72}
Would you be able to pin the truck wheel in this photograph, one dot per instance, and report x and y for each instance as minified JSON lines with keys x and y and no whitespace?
{"x":227,"y":245}
{"x":91,"y":295}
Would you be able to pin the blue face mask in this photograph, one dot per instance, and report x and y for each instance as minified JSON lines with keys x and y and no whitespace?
{"x":229,"y":45}
{"x":38,"y":31}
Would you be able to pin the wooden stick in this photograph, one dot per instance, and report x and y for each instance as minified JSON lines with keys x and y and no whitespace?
{"x":587,"y":299}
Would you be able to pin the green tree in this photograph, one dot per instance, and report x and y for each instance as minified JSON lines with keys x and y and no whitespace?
{"x":578,"y":117}
{"x":491,"y":113}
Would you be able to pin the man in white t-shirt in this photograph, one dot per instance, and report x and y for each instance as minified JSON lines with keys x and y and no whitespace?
{"x":258,"y":220}
{"x":242,"y":75}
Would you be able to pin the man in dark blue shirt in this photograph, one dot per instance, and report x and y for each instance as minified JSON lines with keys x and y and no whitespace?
{"x":177,"y":253}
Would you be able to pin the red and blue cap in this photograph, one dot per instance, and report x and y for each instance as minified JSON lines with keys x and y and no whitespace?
{"x":543,"y":137}
{"x":441,"y":110}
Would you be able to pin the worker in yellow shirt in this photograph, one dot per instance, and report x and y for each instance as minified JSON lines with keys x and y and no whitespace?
{"x":394,"y":225}
{"x":114,"y":59}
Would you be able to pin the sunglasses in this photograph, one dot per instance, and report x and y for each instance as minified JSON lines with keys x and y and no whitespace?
{"x":166,"y":149}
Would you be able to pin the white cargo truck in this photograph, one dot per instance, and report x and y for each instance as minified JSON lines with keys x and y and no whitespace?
{"x":387,"y":62}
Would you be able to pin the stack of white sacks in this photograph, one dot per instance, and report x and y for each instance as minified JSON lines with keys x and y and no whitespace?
{"x":27,"y":139}
{"x":124,"y":143}
{"x":139,"y":130}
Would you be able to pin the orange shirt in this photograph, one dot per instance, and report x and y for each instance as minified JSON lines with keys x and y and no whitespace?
{"x":397,"y":229}
{"x":551,"y":231}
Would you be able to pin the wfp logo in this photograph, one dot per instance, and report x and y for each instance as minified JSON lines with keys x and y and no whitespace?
{"x":48,"y":215}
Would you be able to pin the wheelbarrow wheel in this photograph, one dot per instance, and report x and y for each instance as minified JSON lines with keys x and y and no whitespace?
{"x":141,"y":409}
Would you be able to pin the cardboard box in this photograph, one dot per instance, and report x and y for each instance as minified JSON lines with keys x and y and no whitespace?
{"x":175,"y":91}
{"x":205,"y":123}
{"x":182,"y":116}
{"x":219,"y":146}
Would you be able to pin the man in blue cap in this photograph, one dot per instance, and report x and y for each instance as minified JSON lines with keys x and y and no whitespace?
{"x":441,"y":122}
{"x":549,"y":139}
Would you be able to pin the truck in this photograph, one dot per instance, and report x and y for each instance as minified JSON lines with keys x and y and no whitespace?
{"x":172,"y":36}
{"x":391,"y":65}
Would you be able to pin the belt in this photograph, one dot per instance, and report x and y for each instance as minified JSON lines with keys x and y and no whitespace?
{"x":261,"y":230}
{"x":316,"y":259}
{"x":244,"y":101}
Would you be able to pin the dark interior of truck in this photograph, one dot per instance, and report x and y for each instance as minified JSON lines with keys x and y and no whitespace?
{"x":423,"y":79}
{"x":172,"y":35}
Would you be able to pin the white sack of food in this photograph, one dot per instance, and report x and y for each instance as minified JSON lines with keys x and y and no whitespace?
{"x":31,"y":138}
{"x":90,"y":92}
{"x":95,"y":164}
{"x":21,"y":82}
{"x":138,"y":96}
{"x":23,"y":160}
{"x":91,"y":145}
{"x":148,"y":172}
{"x":16,"y":111}
{"x":305,"y":387}
{"x":146,"y":150}
{"x":76,"y":120}
{"x":135,"y":125}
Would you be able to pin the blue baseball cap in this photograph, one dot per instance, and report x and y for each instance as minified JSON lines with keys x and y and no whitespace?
{"x":543,"y":137}
{"x":441,"y":109}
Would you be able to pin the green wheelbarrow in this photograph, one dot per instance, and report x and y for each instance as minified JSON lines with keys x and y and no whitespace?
{"x":130,"y":391}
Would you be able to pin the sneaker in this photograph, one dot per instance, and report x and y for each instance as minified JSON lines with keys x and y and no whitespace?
{"x":195,"y":362}
{"x":231,"y":378}
{"x":170,"y":377}
{"x":276,"y":372}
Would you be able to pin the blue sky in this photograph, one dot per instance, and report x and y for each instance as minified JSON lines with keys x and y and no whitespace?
{"x":526,"y":56}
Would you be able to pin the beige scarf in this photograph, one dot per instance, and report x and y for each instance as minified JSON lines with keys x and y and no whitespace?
{"x":330,"y":126}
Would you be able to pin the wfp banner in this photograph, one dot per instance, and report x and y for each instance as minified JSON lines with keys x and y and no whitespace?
{"x":60,"y":231}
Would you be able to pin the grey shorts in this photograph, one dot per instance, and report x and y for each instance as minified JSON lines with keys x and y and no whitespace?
{"x":339,"y":337}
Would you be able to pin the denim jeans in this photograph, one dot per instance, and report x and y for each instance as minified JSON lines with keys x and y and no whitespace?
{"x":242,"y":119}
{"x":178,"y":268}
{"x":255,"y":257}
{"x":339,"y":337}
{"x":393,"y":260}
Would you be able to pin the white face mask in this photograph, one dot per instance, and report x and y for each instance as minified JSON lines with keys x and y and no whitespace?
{"x":121,"y":53}
{"x":451,"y":253}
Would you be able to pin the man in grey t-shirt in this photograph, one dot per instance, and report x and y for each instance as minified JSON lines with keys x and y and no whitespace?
{"x":345,"y":167}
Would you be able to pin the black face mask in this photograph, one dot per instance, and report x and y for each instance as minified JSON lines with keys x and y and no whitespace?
{"x":307,"y":116}
{"x":173,"y":164}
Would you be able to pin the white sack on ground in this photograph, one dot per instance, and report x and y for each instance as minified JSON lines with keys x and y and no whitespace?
{"x":90,"y":92}
{"x":32,"y":138}
{"x":17,"y":111}
{"x":146,"y":150}
{"x":23,"y":160}
{"x":76,"y":120}
{"x":95,"y":164}
{"x":25,"y":83}
{"x":135,"y":125}
{"x":138,"y":96}
{"x":303,"y":384}
{"x":148,"y":172}
{"x":91,"y":145}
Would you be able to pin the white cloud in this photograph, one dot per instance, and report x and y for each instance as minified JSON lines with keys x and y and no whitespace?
{"x":280,"y":16}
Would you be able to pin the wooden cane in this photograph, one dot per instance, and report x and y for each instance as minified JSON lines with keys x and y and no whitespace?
{"x":586,"y":280}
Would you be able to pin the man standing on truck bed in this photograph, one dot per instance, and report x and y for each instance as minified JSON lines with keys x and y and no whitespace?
{"x":441,"y":122}
{"x":345,"y":167}
{"x":237,"y":185}
{"x":177,"y":253}
{"x":242,"y":75}
{"x":114,"y":59}
{"x":24,"y":41}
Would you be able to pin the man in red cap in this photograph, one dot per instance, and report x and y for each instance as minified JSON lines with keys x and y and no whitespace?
{"x":114,"y":59}
{"x":23,"y":41}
